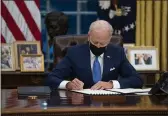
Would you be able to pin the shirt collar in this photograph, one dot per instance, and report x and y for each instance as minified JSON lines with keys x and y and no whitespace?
{"x":93,"y":56}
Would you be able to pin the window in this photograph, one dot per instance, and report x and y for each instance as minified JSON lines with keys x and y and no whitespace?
{"x":80,"y":13}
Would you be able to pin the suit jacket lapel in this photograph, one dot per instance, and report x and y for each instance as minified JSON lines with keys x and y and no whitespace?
{"x":108,"y":62}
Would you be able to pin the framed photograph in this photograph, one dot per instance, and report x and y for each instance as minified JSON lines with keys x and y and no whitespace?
{"x":7,"y":57}
{"x":26,"y":47}
{"x":126,"y":46}
{"x":32,"y":63}
{"x":144,"y":58}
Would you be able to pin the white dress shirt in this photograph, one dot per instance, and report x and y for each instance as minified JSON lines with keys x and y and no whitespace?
{"x":116,"y":84}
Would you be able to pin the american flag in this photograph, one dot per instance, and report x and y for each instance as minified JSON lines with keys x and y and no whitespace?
{"x":20,"y":20}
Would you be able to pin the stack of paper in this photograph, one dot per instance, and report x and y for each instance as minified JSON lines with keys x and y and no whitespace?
{"x":112,"y":91}
{"x":96,"y":92}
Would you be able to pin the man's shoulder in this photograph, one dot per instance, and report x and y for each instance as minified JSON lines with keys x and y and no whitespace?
{"x":114,"y":47}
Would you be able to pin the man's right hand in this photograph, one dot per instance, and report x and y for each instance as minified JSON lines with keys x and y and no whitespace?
{"x":75,"y":84}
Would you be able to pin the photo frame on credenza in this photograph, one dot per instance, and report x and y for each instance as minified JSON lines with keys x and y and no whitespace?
{"x":7,"y":57}
{"x":126,"y":46}
{"x":144,"y":58}
{"x":25,"y":47}
{"x":32,"y":63}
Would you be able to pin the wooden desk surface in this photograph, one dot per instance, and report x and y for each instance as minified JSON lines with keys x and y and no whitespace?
{"x":69,"y":103}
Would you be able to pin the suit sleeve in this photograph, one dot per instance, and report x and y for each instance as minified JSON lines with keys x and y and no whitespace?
{"x":62,"y":71}
{"x":129,"y":77}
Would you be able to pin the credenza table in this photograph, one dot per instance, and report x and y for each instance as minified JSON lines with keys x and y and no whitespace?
{"x":13,"y":79}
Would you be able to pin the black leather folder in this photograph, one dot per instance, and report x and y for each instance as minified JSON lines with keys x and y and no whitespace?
{"x":34,"y":91}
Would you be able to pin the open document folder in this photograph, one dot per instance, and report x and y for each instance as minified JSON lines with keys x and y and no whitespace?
{"x":112,"y":91}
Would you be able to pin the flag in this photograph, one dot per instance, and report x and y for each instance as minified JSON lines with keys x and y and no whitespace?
{"x":20,"y":20}
{"x":121,"y":14}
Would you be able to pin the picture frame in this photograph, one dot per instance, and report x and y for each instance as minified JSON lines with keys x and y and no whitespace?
{"x":7,"y":57}
{"x":32,"y":63}
{"x":126,"y":46}
{"x":25,"y":47}
{"x":144,"y":58}
{"x":129,"y":44}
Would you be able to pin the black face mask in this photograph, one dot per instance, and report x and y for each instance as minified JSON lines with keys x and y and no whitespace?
{"x":97,"y":51}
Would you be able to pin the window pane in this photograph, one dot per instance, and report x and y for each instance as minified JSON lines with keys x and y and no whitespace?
{"x":63,"y":5}
{"x":42,"y":5}
{"x":88,"y":5}
{"x":72,"y":24}
{"x":86,"y":20}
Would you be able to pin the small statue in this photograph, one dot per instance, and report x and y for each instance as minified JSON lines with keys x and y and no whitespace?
{"x":56,"y":24}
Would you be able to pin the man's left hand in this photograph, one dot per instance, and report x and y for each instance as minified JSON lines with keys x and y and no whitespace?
{"x":102,"y":85}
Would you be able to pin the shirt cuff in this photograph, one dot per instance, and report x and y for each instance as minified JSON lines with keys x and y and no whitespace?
{"x":62,"y":94}
{"x":116,"y":84}
{"x":63,"y":85}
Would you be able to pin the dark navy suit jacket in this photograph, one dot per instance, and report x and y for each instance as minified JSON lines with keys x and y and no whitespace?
{"x":76,"y":64}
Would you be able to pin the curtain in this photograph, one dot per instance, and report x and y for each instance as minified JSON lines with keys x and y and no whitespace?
{"x":152,"y":27}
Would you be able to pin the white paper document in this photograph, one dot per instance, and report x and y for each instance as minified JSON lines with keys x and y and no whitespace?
{"x":130,"y":90}
{"x":95,"y":92}
{"x":146,"y":93}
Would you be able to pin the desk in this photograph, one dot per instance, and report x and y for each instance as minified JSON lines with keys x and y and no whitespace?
{"x":64,"y":103}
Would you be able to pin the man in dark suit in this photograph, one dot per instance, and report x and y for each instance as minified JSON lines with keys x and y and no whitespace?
{"x":96,"y":64}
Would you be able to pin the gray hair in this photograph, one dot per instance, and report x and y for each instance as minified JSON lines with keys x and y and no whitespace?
{"x":101,"y":24}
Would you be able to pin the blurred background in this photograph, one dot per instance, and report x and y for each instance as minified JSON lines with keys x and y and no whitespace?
{"x":139,"y":22}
